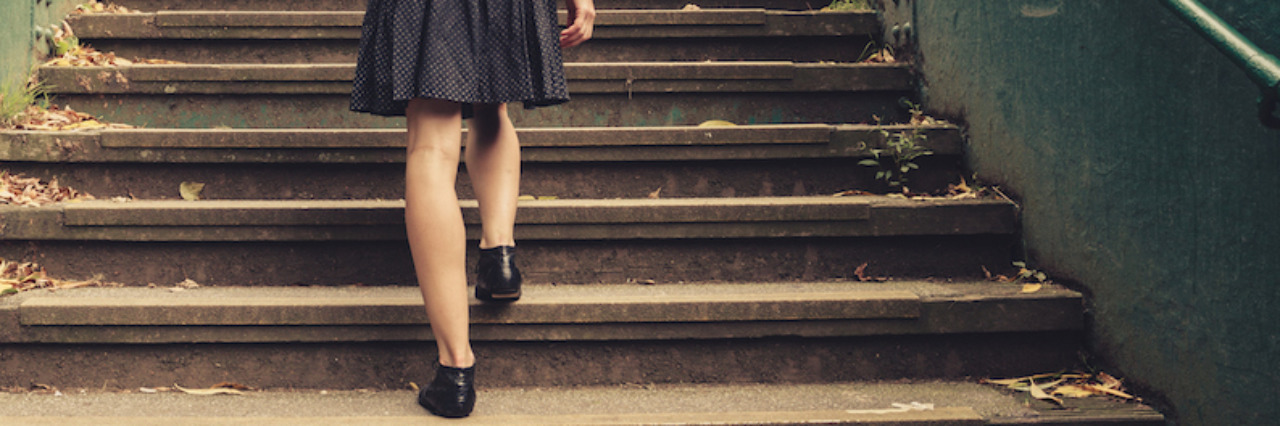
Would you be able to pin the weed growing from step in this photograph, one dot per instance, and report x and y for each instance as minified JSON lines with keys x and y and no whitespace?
{"x":16,"y":97}
{"x":899,"y":158}
{"x":1032,"y":280}
{"x":876,"y":53}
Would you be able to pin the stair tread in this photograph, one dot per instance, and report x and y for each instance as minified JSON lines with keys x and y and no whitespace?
{"x":615,"y":23}
{"x":935,"y":402}
{"x":557,"y":312}
{"x":358,"y":5}
{"x":556,"y":219}
{"x":538,"y":145}
{"x":583,"y":78}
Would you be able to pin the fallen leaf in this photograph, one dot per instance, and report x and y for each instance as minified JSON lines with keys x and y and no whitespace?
{"x":690,"y":7}
{"x":656,"y":193}
{"x":716,"y":123}
{"x":1038,"y":393}
{"x":158,"y":62}
{"x":231,"y":385}
{"x":1031,"y":287}
{"x":1109,"y":391}
{"x":208,"y":392}
{"x":861,"y":274}
{"x":1016,"y":380}
{"x":190,"y":190}
{"x":1109,"y":381}
{"x":1074,"y":391}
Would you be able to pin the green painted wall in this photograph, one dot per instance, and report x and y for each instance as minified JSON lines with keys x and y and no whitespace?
{"x":1143,"y":175}
{"x":20,"y":20}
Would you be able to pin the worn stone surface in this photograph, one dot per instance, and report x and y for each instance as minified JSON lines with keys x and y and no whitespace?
{"x":273,"y":51}
{"x":393,"y":364}
{"x":807,"y":402}
{"x":609,"y":24}
{"x":595,"y":110}
{"x":763,"y":178}
{"x":388,"y":262}
{"x":583,"y":78}
{"x":539,"y":145}
{"x":359,"y":5}
{"x":704,"y":304}
{"x":588,"y":312}
{"x":593,"y":220}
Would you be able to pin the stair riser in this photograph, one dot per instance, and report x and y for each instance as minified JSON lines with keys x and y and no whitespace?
{"x":562,"y":180}
{"x":800,"y":49}
{"x":662,"y":261}
{"x":333,"y":5}
{"x":311,"y":111}
{"x":502,"y":364}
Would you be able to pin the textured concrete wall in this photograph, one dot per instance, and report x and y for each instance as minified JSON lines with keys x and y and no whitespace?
{"x":1143,"y":173}
{"x":19,"y":20}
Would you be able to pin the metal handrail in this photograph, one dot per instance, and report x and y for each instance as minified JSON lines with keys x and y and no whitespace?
{"x":1261,"y":67}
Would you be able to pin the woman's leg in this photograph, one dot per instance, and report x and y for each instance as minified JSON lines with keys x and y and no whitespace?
{"x":493,"y":162}
{"x":433,"y":220}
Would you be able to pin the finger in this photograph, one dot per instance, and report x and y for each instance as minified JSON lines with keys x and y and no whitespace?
{"x":571,"y":37}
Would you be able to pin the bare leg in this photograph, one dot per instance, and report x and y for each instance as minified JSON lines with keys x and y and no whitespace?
{"x":433,"y":220}
{"x":493,"y":162}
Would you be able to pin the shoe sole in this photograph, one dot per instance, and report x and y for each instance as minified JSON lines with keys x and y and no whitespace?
{"x":499,"y":297}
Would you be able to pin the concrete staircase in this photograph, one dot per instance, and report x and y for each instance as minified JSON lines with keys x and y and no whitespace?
{"x":738,"y":272}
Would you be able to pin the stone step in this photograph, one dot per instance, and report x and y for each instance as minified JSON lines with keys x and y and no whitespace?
{"x":604,"y":94}
{"x":359,"y":5}
{"x":564,"y":241}
{"x":627,"y":162}
{"x":576,"y":335}
{"x":862,"y":403}
{"x":620,"y":35}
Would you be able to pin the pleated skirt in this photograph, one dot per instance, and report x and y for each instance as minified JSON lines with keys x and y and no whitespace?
{"x":467,"y":51}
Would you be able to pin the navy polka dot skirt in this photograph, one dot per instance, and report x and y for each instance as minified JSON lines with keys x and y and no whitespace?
{"x":468,"y":51}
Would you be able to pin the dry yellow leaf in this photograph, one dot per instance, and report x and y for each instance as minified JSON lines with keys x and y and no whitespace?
{"x":1031,"y":287}
{"x":190,"y":191}
{"x":1109,"y":391}
{"x":84,"y":125}
{"x":1038,"y":393}
{"x":716,"y":123}
{"x":207,"y":392}
{"x":1074,"y":391}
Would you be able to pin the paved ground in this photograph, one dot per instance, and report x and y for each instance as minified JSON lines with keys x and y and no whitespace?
{"x":564,"y":403}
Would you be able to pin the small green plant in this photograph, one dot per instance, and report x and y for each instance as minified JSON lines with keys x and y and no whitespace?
{"x":898,"y":159}
{"x":875,"y":52}
{"x":848,"y":5}
{"x":1029,"y":275}
{"x":16,"y":96}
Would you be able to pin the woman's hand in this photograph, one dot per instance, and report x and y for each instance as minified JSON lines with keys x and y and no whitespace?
{"x":582,"y":18}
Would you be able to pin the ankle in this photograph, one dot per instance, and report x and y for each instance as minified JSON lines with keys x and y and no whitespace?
{"x":497,"y":241}
{"x":458,"y":360}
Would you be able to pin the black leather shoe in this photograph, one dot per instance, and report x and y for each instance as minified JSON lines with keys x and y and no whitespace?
{"x":452,"y":394}
{"x":497,"y":277}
